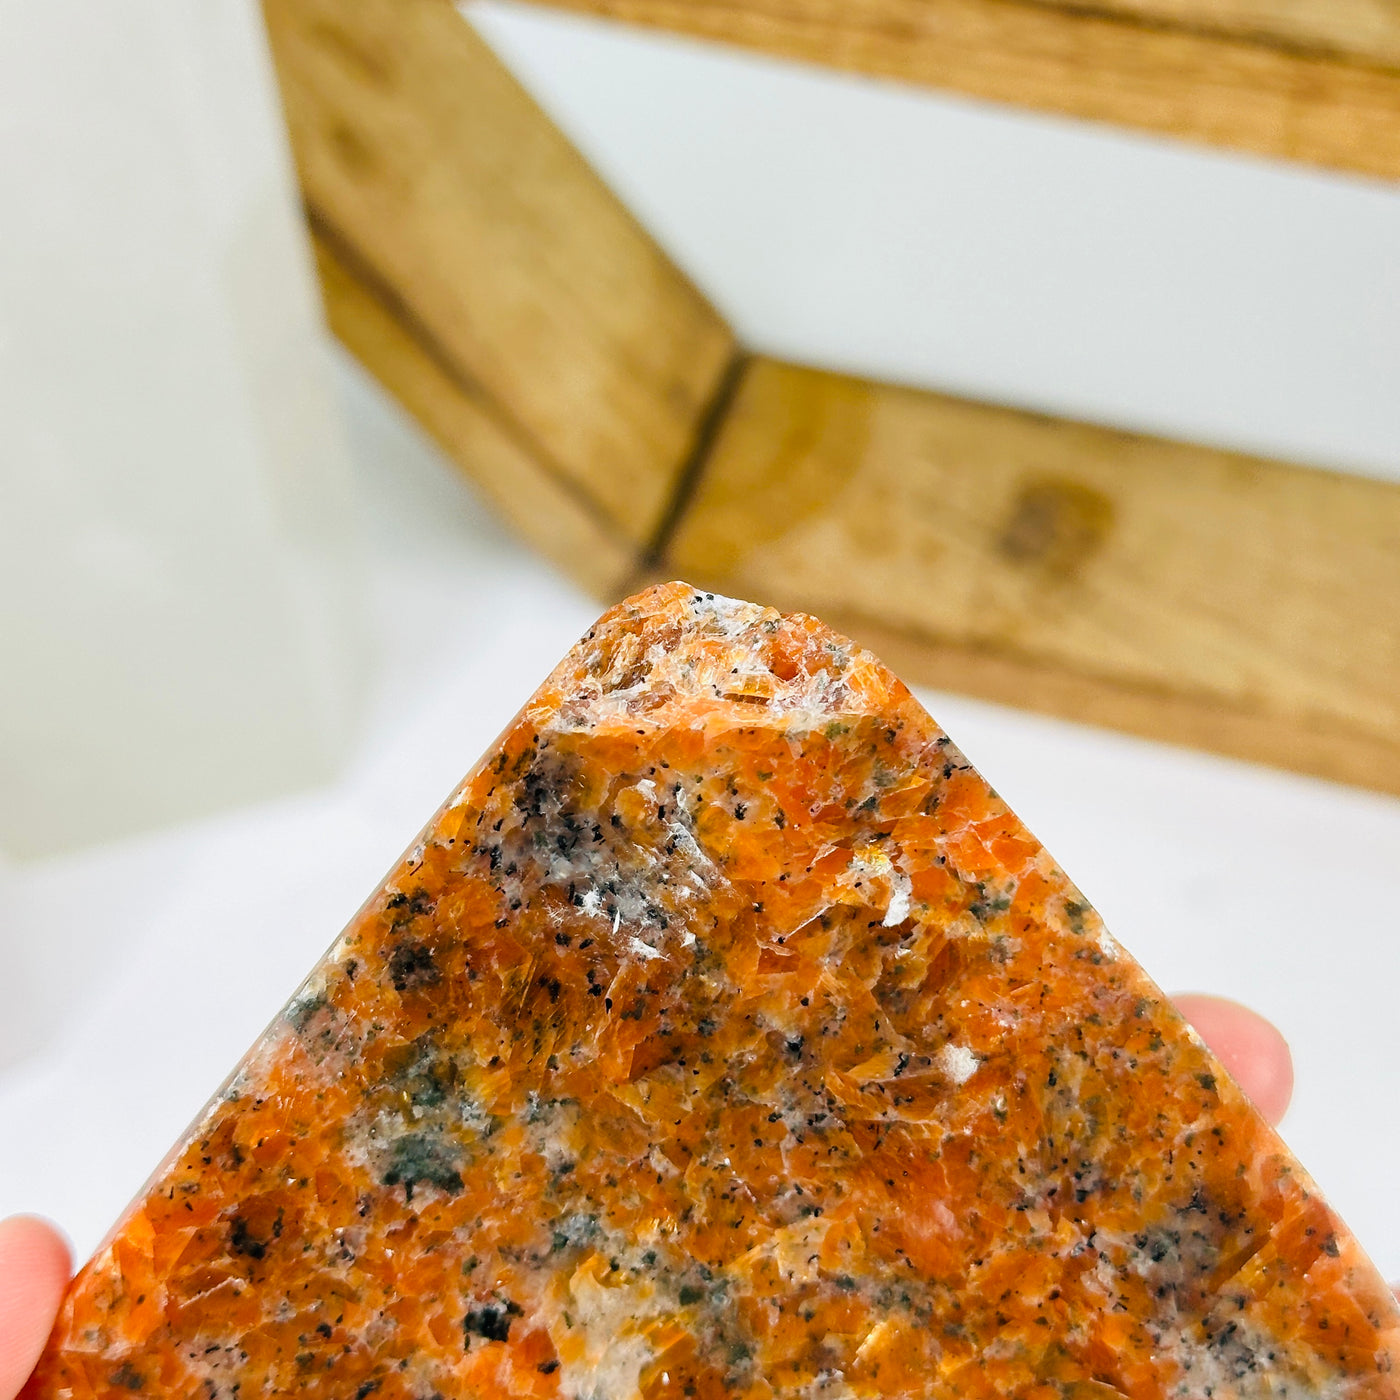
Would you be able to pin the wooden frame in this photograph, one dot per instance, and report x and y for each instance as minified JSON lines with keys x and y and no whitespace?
{"x":1306,"y":80}
{"x":473,"y":261}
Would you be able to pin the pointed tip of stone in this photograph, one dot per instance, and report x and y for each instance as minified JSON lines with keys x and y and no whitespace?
{"x":676,"y":654}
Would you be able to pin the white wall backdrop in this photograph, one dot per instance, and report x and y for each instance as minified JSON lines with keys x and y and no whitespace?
{"x":945,"y":243}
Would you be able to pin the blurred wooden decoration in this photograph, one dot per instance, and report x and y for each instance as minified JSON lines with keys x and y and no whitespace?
{"x":473,"y":261}
{"x":1173,"y":591}
{"x":480,"y":269}
{"x":1316,"y":81}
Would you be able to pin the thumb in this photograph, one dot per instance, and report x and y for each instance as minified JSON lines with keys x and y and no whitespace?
{"x":34,"y":1269}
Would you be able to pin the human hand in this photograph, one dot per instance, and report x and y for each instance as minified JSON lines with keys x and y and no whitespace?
{"x":34,"y":1269}
{"x":34,"y":1262}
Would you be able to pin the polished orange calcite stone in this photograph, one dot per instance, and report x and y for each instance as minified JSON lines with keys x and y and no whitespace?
{"x":726,"y":1035}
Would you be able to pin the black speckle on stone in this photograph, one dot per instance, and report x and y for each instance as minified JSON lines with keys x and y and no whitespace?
{"x":125,"y":1375}
{"x":492,"y":1324}
{"x":242,"y":1240}
{"x":412,"y":965}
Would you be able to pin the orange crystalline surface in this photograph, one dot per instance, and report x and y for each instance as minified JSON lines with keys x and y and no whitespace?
{"x":726,"y":1035}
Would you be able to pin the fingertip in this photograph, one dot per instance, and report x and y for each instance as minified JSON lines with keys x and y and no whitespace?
{"x":37,"y":1248}
{"x":1252,"y":1049}
{"x":35,"y":1264}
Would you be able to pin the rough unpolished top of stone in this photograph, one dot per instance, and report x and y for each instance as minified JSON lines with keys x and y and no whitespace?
{"x":725,"y":1034}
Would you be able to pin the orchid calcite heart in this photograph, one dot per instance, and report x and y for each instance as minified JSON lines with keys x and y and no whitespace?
{"x":726,"y":1035}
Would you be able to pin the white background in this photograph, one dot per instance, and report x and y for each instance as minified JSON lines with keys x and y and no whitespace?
{"x":844,"y":223}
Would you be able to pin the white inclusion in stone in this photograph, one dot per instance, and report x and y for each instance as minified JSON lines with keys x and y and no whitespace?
{"x":644,"y":950}
{"x":592,"y":902}
{"x":608,"y":1342}
{"x":898,"y":910}
{"x":958,"y":1062}
{"x":1108,"y":945}
{"x":732,"y":615}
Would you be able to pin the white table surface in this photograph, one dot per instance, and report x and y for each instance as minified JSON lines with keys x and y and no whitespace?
{"x":137,"y":973}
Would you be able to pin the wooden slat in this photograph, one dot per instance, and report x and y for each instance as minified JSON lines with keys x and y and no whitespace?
{"x":555,"y":517}
{"x":513,"y":275}
{"x":1191,"y":595}
{"x":1299,"y":91}
{"x":1365,"y":31}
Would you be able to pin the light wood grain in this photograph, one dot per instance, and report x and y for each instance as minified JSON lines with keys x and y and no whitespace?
{"x":1364,"y":31}
{"x":1186,"y":594}
{"x":1320,"y":92}
{"x":512,"y":267}
{"x":550,"y":512}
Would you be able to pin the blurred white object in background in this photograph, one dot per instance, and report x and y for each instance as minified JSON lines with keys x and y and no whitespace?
{"x":179,"y":611}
